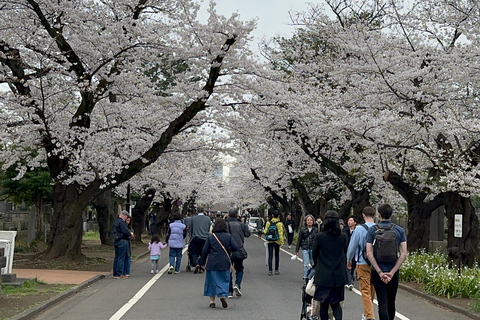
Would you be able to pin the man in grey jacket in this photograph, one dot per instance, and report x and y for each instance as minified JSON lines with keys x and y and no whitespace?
{"x":199,"y":226}
{"x":239,"y":231}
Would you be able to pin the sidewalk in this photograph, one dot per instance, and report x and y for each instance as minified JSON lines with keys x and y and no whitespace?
{"x":58,"y":276}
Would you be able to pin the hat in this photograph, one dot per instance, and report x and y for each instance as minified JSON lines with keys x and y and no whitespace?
{"x":331,"y":214}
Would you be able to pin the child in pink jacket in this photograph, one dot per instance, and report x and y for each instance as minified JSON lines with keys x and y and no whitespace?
{"x":154,"y":247}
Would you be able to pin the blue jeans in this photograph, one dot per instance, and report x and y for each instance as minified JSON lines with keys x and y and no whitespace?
{"x":238,"y":266}
{"x":121,"y":249}
{"x":307,"y":262}
{"x":175,"y":258}
{"x":126,"y":268}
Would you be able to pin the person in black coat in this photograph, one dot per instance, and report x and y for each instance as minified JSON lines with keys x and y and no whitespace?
{"x":290,"y":227}
{"x":217,"y":248}
{"x":329,"y":256}
{"x":348,"y":230}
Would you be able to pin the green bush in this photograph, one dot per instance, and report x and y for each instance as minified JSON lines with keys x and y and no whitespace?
{"x":430,"y":269}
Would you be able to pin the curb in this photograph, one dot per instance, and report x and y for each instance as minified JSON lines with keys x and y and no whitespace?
{"x":32,"y":312}
{"x":440,"y":302}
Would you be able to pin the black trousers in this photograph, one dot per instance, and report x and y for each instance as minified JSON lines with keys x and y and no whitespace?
{"x":195,"y":249}
{"x":386,"y":295}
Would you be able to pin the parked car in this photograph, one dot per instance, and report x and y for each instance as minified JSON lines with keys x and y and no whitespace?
{"x":252,"y":223}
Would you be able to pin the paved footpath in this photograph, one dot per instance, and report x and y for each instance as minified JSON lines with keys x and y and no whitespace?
{"x":180,"y":296}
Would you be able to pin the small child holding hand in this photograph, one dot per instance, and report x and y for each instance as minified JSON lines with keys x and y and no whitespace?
{"x":154,"y":247}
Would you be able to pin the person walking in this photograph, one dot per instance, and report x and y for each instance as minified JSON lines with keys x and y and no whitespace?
{"x":199,"y":226}
{"x":121,"y":237}
{"x":152,"y":219}
{"x":351,"y":224}
{"x":274,"y":234}
{"x":217,"y":249}
{"x":239,"y":232}
{"x":385,"y":272}
{"x":355,"y":252}
{"x":128,"y":258}
{"x":176,"y":234}
{"x":155,"y":247}
{"x":259,"y":227}
{"x":329,"y":256}
{"x":290,"y":226}
{"x":305,"y":242}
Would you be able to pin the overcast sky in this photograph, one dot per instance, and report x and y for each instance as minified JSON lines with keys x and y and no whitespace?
{"x":272,"y":14}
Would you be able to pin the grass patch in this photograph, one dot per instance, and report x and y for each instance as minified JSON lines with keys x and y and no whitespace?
{"x":91,"y":235}
{"x":35,"y":286}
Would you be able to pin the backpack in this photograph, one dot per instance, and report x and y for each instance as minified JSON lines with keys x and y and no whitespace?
{"x":385,"y":246}
{"x":272,"y":232}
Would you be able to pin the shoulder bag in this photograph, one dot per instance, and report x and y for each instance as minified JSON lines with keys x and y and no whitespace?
{"x":228,"y":256}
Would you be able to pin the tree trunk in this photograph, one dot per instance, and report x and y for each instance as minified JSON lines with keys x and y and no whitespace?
{"x":65,"y":236}
{"x":359,"y":200}
{"x":103,"y":204}
{"x":39,"y":217}
{"x":304,"y":198}
{"x":419,"y":212}
{"x":418,"y":225}
{"x":462,"y":250}
{"x":139,"y":213}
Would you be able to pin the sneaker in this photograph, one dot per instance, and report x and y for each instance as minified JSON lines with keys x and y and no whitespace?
{"x":151,"y":271}
{"x":277,"y":272}
{"x":289,"y":247}
{"x":157,"y":271}
{"x":212,"y":305}
{"x":230,"y":295}
{"x":237,"y":291}
{"x":224,"y":302}
{"x":170,"y":270}
{"x":349,"y":287}
{"x":177,"y":272}
{"x":116,"y":277}
{"x":197,"y":268}
{"x":269,"y":273}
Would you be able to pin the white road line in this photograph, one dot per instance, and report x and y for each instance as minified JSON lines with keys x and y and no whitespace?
{"x":397,"y":314}
{"x":124,"y":309}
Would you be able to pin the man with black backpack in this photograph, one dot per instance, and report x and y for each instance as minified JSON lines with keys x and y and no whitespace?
{"x":386,"y":250}
{"x":356,"y":250}
{"x":274,"y":236}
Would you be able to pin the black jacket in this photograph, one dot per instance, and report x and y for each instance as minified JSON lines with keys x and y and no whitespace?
{"x":292,"y":223}
{"x":306,"y":238}
{"x":329,"y":256}
{"x":120,"y":231}
{"x":218,"y":260}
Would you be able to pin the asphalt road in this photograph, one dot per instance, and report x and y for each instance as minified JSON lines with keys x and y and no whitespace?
{"x":180,"y":296}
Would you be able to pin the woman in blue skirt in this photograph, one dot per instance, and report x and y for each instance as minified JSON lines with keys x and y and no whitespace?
{"x":217,"y":248}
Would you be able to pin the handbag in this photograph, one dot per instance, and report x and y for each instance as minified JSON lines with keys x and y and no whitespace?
{"x":231,"y":266}
{"x":240,"y":254}
{"x":310,"y":288}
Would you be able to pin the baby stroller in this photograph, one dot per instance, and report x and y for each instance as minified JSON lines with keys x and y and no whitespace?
{"x":307,"y":300}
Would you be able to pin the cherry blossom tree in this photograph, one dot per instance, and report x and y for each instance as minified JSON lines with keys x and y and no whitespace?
{"x":378,"y":89}
{"x":102,"y":88}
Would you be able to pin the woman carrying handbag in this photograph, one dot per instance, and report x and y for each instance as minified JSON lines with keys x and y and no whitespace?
{"x":217,"y":248}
